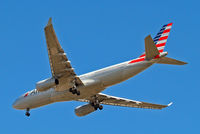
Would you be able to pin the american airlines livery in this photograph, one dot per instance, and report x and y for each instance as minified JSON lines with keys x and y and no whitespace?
{"x":65,"y":85}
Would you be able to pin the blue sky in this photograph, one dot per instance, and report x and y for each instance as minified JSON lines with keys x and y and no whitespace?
{"x":96,"y":34}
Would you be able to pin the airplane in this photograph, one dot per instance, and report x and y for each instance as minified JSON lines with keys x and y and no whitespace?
{"x":65,"y":85}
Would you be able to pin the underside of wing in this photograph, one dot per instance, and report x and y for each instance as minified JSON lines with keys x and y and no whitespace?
{"x":60,"y":65}
{"x":117,"y":101}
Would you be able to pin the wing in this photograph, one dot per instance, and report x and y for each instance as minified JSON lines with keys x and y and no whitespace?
{"x":61,"y":68}
{"x":116,"y":101}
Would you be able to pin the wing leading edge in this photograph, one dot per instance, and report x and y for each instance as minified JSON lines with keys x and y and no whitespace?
{"x":117,"y":101}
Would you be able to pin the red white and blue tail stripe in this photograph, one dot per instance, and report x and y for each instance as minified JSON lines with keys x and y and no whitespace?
{"x":160,"y":41}
{"x":161,"y":38}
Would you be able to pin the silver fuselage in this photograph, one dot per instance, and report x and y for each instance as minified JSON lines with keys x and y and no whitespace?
{"x":94,"y":82}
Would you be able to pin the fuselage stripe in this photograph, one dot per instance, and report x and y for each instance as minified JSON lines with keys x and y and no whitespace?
{"x":136,"y":60}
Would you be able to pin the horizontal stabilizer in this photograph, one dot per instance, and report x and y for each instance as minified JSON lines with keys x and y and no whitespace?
{"x":166,"y":60}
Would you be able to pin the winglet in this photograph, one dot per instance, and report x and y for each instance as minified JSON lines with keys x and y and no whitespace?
{"x":170,"y":104}
{"x":50,"y":21}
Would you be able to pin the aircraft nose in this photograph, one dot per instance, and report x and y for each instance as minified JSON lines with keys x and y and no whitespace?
{"x":16,"y":105}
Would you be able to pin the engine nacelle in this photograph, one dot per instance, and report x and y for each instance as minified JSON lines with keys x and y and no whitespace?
{"x":46,"y":84}
{"x":84,"y":110}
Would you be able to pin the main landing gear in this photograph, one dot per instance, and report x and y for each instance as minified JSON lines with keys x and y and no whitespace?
{"x":27,"y":112}
{"x":74,"y":90}
{"x":96,"y":105}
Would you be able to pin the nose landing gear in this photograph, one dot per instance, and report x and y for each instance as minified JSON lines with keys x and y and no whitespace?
{"x":27,"y":112}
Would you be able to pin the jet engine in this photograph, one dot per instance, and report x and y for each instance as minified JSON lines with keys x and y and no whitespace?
{"x":46,"y":84}
{"x":84,"y":110}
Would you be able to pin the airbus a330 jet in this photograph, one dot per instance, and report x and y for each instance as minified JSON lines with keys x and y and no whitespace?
{"x":65,"y":85}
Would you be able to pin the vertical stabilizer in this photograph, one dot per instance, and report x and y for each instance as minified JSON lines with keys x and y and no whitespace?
{"x":160,"y":39}
{"x":151,"y":50}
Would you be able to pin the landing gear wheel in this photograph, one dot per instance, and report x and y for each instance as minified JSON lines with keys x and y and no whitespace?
{"x":92,"y":104}
{"x":100,"y":107}
{"x":95,"y":108}
{"x":70,"y":89}
{"x":27,"y":112}
{"x":78,"y":92}
{"x":73,"y":91}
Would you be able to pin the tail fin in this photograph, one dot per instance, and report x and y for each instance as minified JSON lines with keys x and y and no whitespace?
{"x":161,"y":38}
{"x":151,"y":50}
{"x":154,"y":48}
{"x":166,"y":60}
